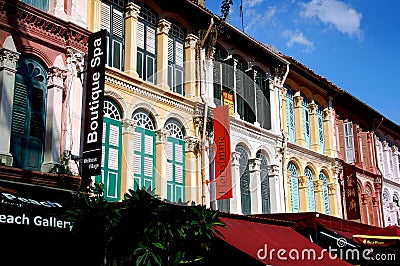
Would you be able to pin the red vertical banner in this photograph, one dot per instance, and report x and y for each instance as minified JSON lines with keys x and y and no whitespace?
{"x":222,"y":144}
{"x":351,"y":192}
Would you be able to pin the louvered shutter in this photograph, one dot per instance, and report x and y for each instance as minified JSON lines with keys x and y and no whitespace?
{"x":325,"y":195}
{"x":294,"y":187}
{"x":310,"y":186}
{"x":140,"y":35}
{"x":365,"y":152}
{"x":176,"y":169}
{"x":349,"y":141}
{"x":105,"y":17}
{"x":244,"y":179}
{"x":342,"y":146}
{"x":321,"y":137}
{"x":290,"y":117}
{"x":151,"y":40}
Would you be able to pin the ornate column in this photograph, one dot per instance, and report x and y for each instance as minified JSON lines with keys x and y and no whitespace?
{"x":372,"y":152}
{"x":8,"y":63}
{"x":275,"y":189}
{"x":298,"y":116}
{"x":255,"y":186}
{"x":52,"y":145}
{"x":364,"y":208}
{"x":284,"y":111}
{"x":319,"y":198}
{"x":314,"y":127}
{"x":79,"y":12}
{"x":333,"y":199}
{"x":162,"y":53}
{"x":161,"y":164}
{"x":190,"y":66}
{"x":128,"y":140}
{"x":72,"y":102}
{"x":377,"y":203}
{"x":396,"y":163}
{"x":329,"y":132}
{"x":131,"y":19}
{"x":359,"y":148}
{"x":94,"y":15}
{"x":303,"y":193}
{"x":193,"y":178}
{"x":386,"y":159}
{"x":236,"y":201}
{"x":57,"y":9}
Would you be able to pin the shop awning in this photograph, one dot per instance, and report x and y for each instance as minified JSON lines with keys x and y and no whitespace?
{"x":274,"y":244}
{"x":387,"y":236}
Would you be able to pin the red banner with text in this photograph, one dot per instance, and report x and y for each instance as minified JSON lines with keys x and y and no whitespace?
{"x":223,"y":168}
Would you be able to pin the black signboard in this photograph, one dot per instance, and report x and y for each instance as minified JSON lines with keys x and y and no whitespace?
{"x":351,"y":192}
{"x":93,"y":127}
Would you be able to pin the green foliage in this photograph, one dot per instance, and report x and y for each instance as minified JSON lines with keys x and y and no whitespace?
{"x":143,"y":230}
{"x":225,"y":8}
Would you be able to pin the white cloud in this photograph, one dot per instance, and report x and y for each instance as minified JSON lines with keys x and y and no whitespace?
{"x":252,"y":3}
{"x":297,"y":37}
{"x":337,"y":13}
{"x":254,"y":19}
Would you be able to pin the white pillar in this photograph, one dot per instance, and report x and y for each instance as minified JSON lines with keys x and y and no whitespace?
{"x":236,"y":202}
{"x":255,"y":186}
{"x":8,"y":61}
{"x":275,"y":191}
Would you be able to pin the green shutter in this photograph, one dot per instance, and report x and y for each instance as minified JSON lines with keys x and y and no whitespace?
{"x":176,"y":182}
{"x":111,"y":159}
{"x":144,"y":158}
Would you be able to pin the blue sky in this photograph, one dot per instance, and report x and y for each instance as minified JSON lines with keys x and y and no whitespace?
{"x":352,"y":43}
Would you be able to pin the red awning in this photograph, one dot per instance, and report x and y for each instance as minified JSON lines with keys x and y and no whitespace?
{"x":274,"y":244}
{"x":387,"y":236}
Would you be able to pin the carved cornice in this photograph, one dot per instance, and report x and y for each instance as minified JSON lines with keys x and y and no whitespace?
{"x":163,"y":26}
{"x":8,"y":60}
{"x":191,"y":41}
{"x":56,"y":77}
{"x":273,"y":170}
{"x":75,"y":59}
{"x":331,"y":188}
{"x":128,"y":126}
{"x":235,"y":158}
{"x":162,"y":135}
{"x":318,"y":185}
{"x":41,"y":27}
{"x":132,"y":10}
{"x":255,"y":164}
{"x":191,"y":144}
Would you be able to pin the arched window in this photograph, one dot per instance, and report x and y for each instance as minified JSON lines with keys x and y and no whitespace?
{"x":111,"y":151}
{"x":294,"y":187}
{"x":325,"y":195}
{"x":244,"y":179}
{"x":290,"y":115}
{"x":263,"y":98}
{"x":29,"y":114}
{"x":41,"y":4}
{"x":310,"y":184}
{"x":144,"y":150}
{"x":146,"y":45}
{"x":176,"y":59}
{"x":112,"y":20}
{"x":306,"y":120}
{"x":175,"y":161}
{"x":265,"y":190}
{"x":320,"y":126}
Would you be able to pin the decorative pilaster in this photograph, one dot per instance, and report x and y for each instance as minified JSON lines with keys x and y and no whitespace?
{"x":161,"y":163}
{"x":275,"y":189}
{"x":79,"y":12}
{"x":303,"y":193}
{"x":298,"y":116}
{"x":329,"y":132}
{"x":333,"y":198}
{"x":236,"y":201}
{"x":255,"y":186}
{"x":162,"y":53}
{"x":190,"y":66}
{"x":52,"y":145}
{"x":128,"y":140}
{"x":319,"y":198}
{"x":193,"y":166}
{"x":94,"y":15}
{"x":8,"y":62}
{"x":314,"y":127}
{"x":131,"y":21}
{"x":371,"y":152}
{"x":359,"y":148}
{"x":284,"y":128}
{"x":57,"y":9}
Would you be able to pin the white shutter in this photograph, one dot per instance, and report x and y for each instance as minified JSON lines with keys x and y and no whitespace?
{"x":169,"y":150}
{"x":137,"y":141}
{"x":114,"y":135}
{"x":170,"y":49}
{"x":349,"y":141}
{"x":113,"y":159}
{"x":103,"y":136}
{"x":179,"y":53}
{"x":179,"y":153}
{"x":148,"y":144}
{"x":137,"y":164}
{"x":169,"y":171}
{"x":118,"y":23}
{"x":105,"y":17}
{"x":148,"y":166}
{"x":102,"y":155}
{"x":178,"y":174}
{"x":140,"y":35}
{"x":151,"y":40}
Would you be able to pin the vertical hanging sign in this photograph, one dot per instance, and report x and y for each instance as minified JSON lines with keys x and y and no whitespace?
{"x":93,"y":126}
{"x":351,"y":192}
{"x":223,"y":168}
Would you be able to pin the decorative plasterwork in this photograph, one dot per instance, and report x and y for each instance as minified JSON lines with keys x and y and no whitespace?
{"x":163,"y":26}
{"x":56,"y":77}
{"x":155,"y":97}
{"x":162,"y":135}
{"x":273,"y":170}
{"x":331,"y":188}
{"x":191,"y":41}
{"x":132,"y":10}
{"x":261,"y":135}
{"x":191,"y":143}
{"x":75,"y":60}
{"x":128,"y":126}
{"x":41,"y":27}
{"x":8,"y":60}
{"x":255,"y":164}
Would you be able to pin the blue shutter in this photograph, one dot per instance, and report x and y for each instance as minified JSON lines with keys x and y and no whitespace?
{"x":265,"y":190}
{"x":244,"y":179}
{"x":290,"y":115}
{"x":310,"y":185}
{"x":29,"y":115}
{"x":294,"y":187}
{"x":325,"y":195}
{"x":320,"y":121}
{"x":306,"y":121}
{"x":41,"y":4}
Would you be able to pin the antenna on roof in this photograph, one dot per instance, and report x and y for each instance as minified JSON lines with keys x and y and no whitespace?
{"x":241,"y":13}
